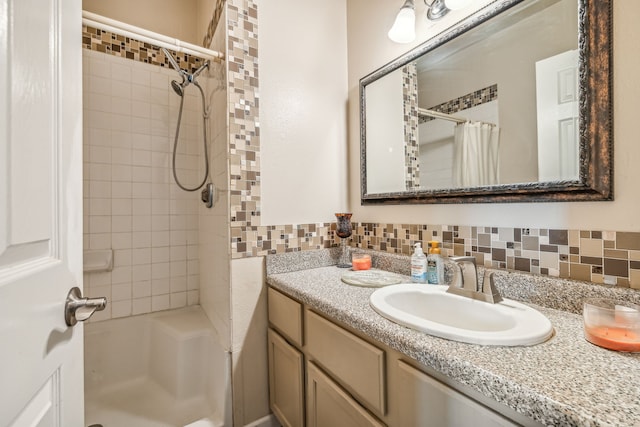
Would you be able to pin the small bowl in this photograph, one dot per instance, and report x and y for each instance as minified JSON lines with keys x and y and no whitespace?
{"x":360,"y":261}
{"x":612,"y":324}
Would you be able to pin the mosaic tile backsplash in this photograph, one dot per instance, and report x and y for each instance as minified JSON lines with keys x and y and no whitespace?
{"x":598,"y":256}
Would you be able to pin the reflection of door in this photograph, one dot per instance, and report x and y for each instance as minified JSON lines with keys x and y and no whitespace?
{"x":41,"y":370}
{"x":557,"y":105}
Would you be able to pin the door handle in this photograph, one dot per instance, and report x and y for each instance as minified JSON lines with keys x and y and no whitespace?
{"x":77,"y":308}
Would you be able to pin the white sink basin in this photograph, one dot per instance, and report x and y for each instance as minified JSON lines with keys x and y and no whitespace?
{"x":428,"y":308}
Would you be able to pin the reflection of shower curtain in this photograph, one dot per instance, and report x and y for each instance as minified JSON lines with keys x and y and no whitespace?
{"x":475,"y":154}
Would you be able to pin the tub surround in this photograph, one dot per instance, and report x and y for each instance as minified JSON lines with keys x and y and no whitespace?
{"x":564,"y":381}
{"x":158,"y":369}
{"x":130,"y":205}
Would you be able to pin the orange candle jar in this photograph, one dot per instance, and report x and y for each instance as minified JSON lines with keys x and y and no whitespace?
{"x":612,"y":324}
{"x":361,"y":261}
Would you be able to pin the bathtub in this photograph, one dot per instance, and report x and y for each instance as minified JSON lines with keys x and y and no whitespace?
{"x":162,"y":369}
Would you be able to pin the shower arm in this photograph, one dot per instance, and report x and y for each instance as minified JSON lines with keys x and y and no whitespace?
{"x":175,"y":64}
{"x":171,"y":59}
{"x":196,"y":73}
{"x":184,"y":73}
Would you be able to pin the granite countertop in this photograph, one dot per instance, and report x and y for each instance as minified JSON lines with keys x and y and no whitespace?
{"x":565,"y":381}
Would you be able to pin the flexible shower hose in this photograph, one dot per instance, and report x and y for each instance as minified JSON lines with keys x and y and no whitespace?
{"x":205,"y":116}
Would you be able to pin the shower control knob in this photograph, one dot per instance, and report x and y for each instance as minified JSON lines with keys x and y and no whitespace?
{"x":208,"y":195}
{"x":78,"y":309}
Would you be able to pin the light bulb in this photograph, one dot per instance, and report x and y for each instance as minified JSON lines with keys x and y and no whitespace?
{"x":404,"y":27}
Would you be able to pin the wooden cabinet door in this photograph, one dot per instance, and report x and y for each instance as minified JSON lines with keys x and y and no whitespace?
{"x":330,"y":406}
{"x":285,"y":316}
{"x":354,"y":363}
{"x":424,"y":401}
{"x":286,"y":381}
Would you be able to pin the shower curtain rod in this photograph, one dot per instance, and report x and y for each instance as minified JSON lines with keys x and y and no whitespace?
{"x":445,"y":116}
{"x":439,"y":115}
{"x":137,"y":33}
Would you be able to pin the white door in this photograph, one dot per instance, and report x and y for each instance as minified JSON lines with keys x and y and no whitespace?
{"x":557,"y":105}
{"x":41,"y":359}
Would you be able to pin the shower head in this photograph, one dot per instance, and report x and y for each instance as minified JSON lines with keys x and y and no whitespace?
{"x":186,"y":77}
{"x":179,"y":87}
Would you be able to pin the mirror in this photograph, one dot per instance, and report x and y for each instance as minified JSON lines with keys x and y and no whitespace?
{"x":513,"y":104}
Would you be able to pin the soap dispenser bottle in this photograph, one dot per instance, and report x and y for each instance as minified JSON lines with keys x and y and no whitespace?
{"x":418,"y":265}
{"x":435,"y":267}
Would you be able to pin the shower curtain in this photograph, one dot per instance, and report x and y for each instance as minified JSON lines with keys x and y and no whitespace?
{"x":475,"y":154}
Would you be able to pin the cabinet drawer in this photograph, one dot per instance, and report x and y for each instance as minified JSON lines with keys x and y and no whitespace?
{"x":286,"y":381}
{"x":424,"y":401}
{"x":329,"y":406}
{"x":357,"y":365}
{"x":285,"y":315}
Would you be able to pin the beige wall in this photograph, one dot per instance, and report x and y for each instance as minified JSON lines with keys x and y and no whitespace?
{"x":368,"y":21}
{"x":204,"y":12}
{"x":303,"y":109}
{"x":173,"y":18}
{"x":303,"y":134}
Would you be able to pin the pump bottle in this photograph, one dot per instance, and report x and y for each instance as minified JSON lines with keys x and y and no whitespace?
{"x":418,"y":265}
{"x":435,"y":267}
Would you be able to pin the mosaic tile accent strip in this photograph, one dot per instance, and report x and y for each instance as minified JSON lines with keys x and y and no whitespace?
{"x":244,"y":128}
{"x":115,"y":44}
{"x":410,"y":105}
{"x":608,"y":257}
{"x":213,"y":24}
{"x":279,"y":239}
{"x":598,"y":256}
{"x":473,"y":99}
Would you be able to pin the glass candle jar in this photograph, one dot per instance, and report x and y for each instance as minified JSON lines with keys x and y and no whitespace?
{"x":612,"y":324}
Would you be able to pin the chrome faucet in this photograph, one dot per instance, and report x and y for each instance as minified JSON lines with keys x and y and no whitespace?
{"x":468,"y":284}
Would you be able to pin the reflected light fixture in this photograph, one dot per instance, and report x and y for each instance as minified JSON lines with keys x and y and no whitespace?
{"x":404,"y":27}
{"x":439,"y":8}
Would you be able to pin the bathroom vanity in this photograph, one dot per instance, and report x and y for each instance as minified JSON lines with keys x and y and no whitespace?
{"x":353,"y":380}
{"x":335,"y":361}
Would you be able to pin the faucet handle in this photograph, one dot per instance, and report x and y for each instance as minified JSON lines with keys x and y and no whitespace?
{"x":489,"y":288}
{"x":468,"y":277}
{"x":460,"y":259}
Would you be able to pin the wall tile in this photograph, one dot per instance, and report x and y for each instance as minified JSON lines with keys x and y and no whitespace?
{"x":127,"y":196}
{"x":160,"y":302}
{"x":618,"y":267}
{"x":625,"y":240}
{"x":591,"y":247}
{"x":141,"y":306}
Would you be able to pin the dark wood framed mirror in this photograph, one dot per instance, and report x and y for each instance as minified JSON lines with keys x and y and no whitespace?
{"x":495,"y":70}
